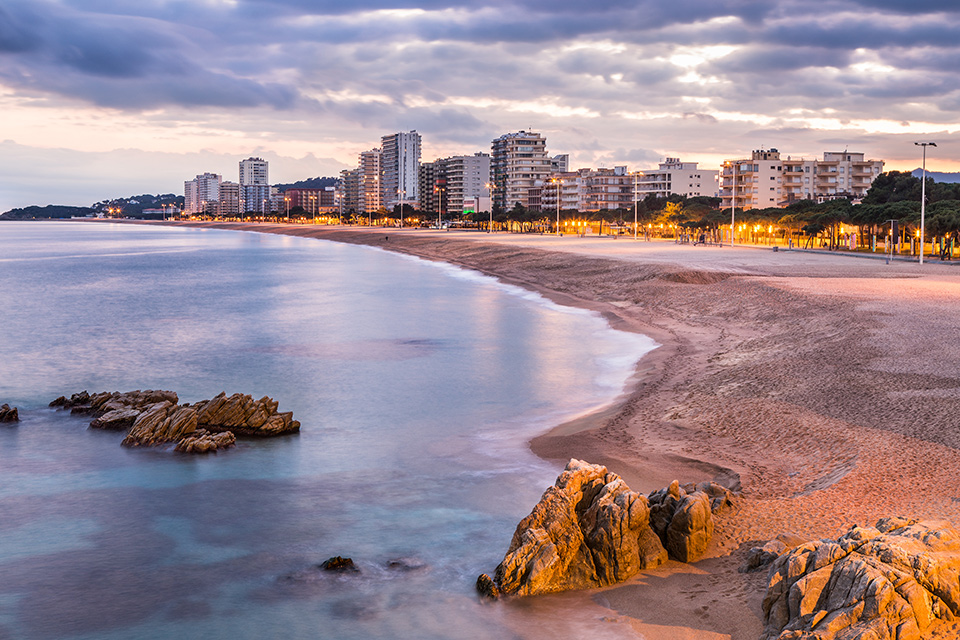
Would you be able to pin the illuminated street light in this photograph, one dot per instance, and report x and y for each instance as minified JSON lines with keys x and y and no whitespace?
{"x":923,"y":192}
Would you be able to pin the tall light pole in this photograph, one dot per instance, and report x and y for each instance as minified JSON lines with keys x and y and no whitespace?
{"x":490,"y":188}
{"x":733,"y":205}
{"x":636,"y":203}
{"x":923,"y":192}
{"x":557,"y":180}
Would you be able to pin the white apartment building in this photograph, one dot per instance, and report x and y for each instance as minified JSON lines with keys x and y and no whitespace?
{"x":839,"y":174}
{"x":400,"y":166}
{"x":254,"y":185}
{"x":675,"y":177}
{"x":766,"y":180}
{"x":202,"y":194}
{"x":519,"y":166}
{"x":752,"y":183}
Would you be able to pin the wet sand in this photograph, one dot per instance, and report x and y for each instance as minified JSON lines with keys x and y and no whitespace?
{"x":826,"y":388}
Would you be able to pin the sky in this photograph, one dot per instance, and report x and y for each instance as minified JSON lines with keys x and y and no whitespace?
{"x":110,"y":98}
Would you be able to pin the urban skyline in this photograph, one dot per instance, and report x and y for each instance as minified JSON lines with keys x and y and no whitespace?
{"x":102,"y":98}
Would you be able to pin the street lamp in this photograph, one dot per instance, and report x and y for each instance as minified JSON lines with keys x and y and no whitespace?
{"x":733,"y":205}
{"x":490,"y":188}
{"x":439,"y":189}
{"x":557,"y":180}
{"x":636,"y":203}
{"x":923,"y":192}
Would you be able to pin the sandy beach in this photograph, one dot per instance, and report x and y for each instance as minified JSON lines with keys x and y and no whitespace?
{"x":826,"y":388}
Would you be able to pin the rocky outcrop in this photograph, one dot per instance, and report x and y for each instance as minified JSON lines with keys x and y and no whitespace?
{"x":891,"y":581}
{"x":9,"y":414}
{"x":99,"y":404}
{"x":591,"y":530}
{"x":202,"y":441}
{"x":245,"y":416}
{"x":154,"y":418}
{"x":761,"y":557}
{"x":161,"y":423}
{"x":588,"y":530}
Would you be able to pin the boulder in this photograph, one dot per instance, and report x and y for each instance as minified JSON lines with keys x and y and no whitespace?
{"x":9,"y":414}
{"x":245,"y":416}
{"x":588,"y":530}
{"x":202,"y":441}
{"x":338,"y":563}
{"x":682,"y":517}
{"x":885,"y":582}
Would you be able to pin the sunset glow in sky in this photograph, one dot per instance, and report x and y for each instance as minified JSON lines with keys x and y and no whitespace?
{"x":105,"y":98}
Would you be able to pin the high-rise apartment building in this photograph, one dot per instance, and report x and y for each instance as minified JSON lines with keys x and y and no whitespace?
{"x":467,"y":179}
{"x":368,"y":188}
{"x":433,"y":186}
{"x":255,"y":185}
{"x":202,"y":194}
{"x":399,"y":166}
{"x":518,"y":166}
{"x":350,"y":191}
{"x":229,"y":200}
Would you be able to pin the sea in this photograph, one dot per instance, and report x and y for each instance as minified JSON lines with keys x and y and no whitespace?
{"x":418,"y":386}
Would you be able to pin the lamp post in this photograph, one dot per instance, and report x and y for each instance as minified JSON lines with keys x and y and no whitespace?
{"x":557,"y":180}
{"x":923,"y":192}
{"x":636,"y":203}
{"x":438,"y":189}
{"x":733,"y":205}
{"x":490,"y":188}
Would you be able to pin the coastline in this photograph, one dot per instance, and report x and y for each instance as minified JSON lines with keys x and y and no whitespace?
{"x":825,"y":386}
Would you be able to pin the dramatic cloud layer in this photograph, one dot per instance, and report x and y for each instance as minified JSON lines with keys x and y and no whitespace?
{"x":618,"y":82}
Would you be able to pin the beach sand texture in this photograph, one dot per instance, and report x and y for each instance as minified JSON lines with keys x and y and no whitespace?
{"x":826,"y":387}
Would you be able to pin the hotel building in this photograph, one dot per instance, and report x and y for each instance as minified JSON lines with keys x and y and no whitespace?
{"x":400,"y":164}
{"x":519,"y":166}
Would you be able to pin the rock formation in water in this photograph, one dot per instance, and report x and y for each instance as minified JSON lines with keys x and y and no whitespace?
{"x":9,"y":414}
{"x":99,"y":404}
{"x":885,"y":582}
{"x":154,"y":418}
{"x":591,"y":530}
{"x":245,"y":416}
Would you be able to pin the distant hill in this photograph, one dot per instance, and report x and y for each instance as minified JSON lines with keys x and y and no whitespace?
{"x":133,"y":206}
{"x":309,"y":183}
{"x":938,"y":176}
{"x":48,"y":212}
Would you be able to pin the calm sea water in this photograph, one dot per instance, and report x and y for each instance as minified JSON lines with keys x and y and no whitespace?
{"x":417,"y":386}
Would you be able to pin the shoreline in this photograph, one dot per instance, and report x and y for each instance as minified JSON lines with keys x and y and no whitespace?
{"x":828,"y":389}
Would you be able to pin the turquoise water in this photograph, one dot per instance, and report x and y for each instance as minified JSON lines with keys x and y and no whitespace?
{"x":417,"y":385}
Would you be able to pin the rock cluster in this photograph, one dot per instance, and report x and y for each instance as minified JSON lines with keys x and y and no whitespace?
{"x":763,"y":556}
{"x":153,"y":418}
{"x":9,"y":414}
{"x":591,"y":530}
{"x":885,"y":582}
{"x":245,"y":416}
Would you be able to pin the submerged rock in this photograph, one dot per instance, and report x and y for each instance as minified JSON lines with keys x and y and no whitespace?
{"x":9,"y":414}
{"x":338,"y":563}
{"x":100,"y":404}
{"x":885,"y":582}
